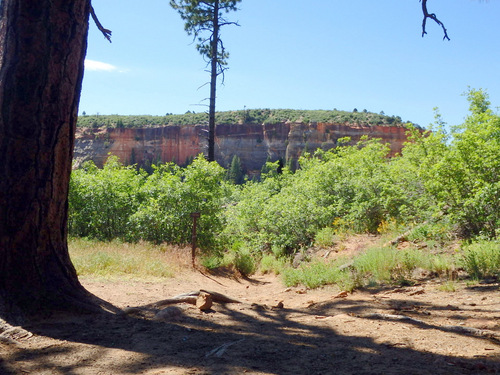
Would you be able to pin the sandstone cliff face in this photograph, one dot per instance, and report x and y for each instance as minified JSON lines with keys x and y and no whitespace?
{"x":253,"y":143}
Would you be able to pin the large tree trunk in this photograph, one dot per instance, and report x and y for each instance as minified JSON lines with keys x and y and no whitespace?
{"x":42,"y":50}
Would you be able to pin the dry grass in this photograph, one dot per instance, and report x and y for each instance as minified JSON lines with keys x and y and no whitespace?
{"x":109,"y":260}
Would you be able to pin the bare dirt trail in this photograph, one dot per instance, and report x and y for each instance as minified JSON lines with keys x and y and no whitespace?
{"x":413,"y":330}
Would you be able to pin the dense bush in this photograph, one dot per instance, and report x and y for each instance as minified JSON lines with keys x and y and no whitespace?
{"x":459,"y":174}
{"x":102,"y":200}
{"x":172,"y":194}
{"x":349,"y":188}
{"x":120,"y":202}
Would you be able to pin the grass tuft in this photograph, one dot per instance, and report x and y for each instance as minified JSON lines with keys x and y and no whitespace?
{"x":270,"y":264}
{"x":448,"y":286}
{"x":482,"y":259}
{"x":379,"y":265}
{"x":314,"y":274}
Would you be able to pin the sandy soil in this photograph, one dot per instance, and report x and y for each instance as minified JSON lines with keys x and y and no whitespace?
{"x":411,"y":330}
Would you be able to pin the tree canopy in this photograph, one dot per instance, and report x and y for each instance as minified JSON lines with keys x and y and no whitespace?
{"x":200,"y":19}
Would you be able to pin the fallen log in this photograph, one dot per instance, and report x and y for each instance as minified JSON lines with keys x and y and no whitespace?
{"x":189,"y":298}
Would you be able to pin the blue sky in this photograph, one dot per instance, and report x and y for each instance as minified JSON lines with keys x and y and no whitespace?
{"x":318,"y":54}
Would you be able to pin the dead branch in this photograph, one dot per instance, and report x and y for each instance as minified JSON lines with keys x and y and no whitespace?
{"x":390,"y":317}
{"x":481,"y":333}
{"x":105,"y":32}
{"x":220,"y":298}
{"x":182,"y":298}
{"x":433,"y":17}
{"x":484,"y":333}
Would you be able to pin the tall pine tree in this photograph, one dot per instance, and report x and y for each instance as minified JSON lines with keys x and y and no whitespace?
{"x":203,"y":20}
{"x":42,"y":51}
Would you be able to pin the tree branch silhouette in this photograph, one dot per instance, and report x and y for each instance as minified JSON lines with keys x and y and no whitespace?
{"x":433,"y":17}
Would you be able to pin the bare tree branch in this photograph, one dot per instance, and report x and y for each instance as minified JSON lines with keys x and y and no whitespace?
{"x":105,"y":32}
{"x":229,"y":23}
{"x":433,"y":17}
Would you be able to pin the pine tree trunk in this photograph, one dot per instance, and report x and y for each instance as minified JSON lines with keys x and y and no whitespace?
{"x":213,"y":83}
{"x":42,"y":51}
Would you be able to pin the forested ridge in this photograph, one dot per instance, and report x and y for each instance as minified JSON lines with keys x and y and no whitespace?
{"x":248,"y":116}
{"x":444,"y":187}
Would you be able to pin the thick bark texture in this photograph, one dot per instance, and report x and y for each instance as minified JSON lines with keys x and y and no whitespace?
{"x":42,"y":51}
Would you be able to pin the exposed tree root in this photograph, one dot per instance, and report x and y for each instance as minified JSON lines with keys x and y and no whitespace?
{"x":10,"y":334}
{"x":72,"y":303}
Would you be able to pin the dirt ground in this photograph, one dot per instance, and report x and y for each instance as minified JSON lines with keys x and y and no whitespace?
{"x":410,"y":330}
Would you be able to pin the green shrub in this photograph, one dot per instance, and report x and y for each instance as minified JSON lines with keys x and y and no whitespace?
{"x":269,"y":263}
{"x":448,"y":286}
{"x":388,"y":265}
{"x":325,"y":237}
{"x":438,"y":231}
{"x":102,"y":200}
{"x":245,"y":263}
{"x":211,"y":261}
{"x":482,"y":259}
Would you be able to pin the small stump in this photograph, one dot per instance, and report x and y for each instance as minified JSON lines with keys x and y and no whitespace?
{"x":204,"y":301}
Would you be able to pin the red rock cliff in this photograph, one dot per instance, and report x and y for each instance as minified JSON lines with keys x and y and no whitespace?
{"x":253,"y":143}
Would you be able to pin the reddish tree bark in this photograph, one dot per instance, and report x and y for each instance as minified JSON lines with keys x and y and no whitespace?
{"x":42,"y":50}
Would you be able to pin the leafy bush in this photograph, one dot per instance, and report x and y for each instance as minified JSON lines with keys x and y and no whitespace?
{"x":351,"y":185}
{"x":120,"y":202}
{"x":102,"y":200}
{"x":173,"y":194}
{"x":325,"y":237}
{"x":211,"y":261}
{"x":245,"y":263}
{"x":460,"y":174}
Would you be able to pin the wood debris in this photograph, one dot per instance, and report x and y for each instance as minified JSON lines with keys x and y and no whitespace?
{"x":190,"y":298}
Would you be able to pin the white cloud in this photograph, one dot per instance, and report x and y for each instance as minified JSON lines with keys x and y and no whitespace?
{"x":99,"y":66}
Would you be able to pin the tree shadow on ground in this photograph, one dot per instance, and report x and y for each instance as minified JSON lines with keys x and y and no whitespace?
{"x":232,"y":339}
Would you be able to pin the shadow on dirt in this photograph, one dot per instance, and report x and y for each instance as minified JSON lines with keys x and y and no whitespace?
{"x":234,"y":339}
